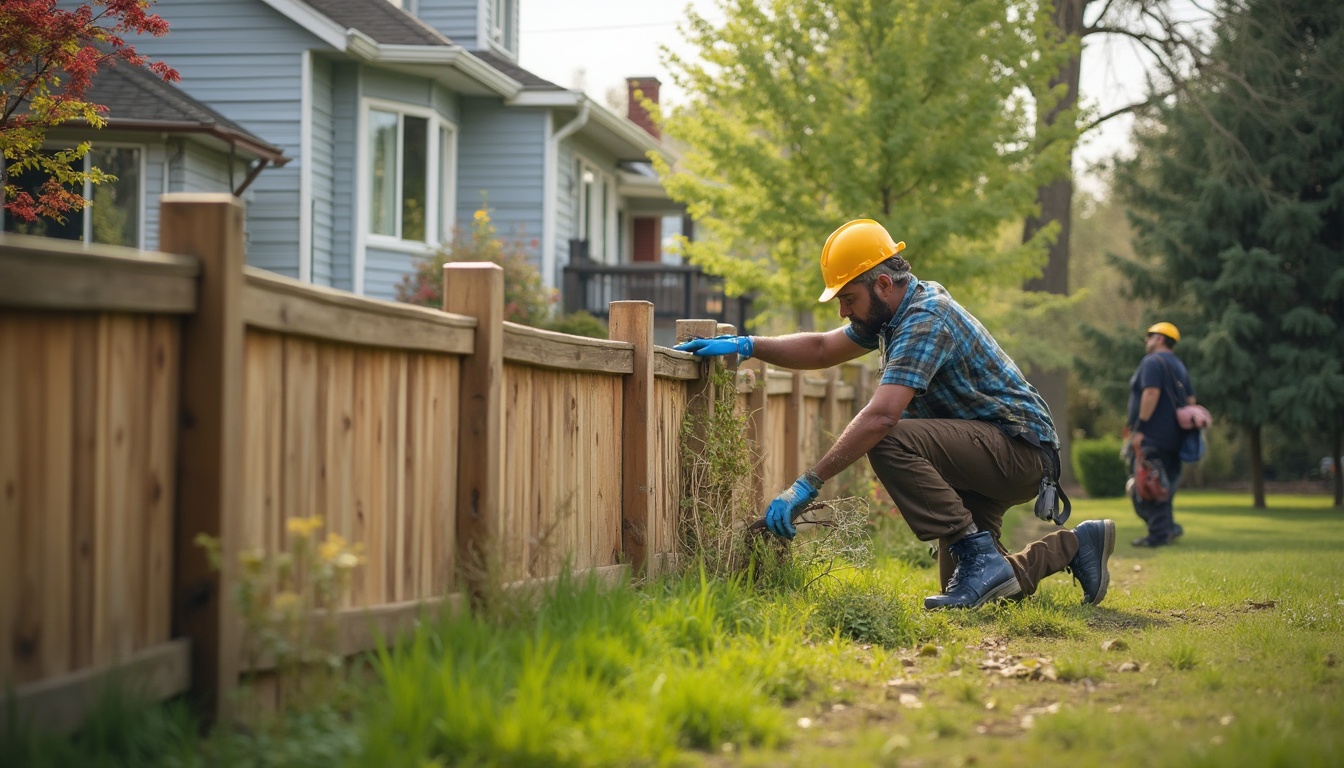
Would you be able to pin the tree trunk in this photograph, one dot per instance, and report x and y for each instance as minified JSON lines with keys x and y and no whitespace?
{"x":1257,"y":469}
{"x":1055,"y":201}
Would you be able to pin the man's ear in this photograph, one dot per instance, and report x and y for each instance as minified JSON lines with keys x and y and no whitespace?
{"x":886,"y":284}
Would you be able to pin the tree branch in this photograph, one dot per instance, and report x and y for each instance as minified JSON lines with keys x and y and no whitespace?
{"x":1136,"y":106}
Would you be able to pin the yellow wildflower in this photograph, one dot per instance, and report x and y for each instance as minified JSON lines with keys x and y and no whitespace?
{"x":303,"y":526}
{"x":347,"y":561}
{"x":481,"y":215}
{"x":252,"y":560}
{"x":333,"y":546}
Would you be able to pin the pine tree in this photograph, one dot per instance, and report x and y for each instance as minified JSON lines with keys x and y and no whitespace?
{"x":1237,"y":195}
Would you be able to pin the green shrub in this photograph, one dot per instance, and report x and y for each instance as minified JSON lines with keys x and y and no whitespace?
{"x":1099,"y":468}
{"x":526,"y":298}
{"x":580,"y":324}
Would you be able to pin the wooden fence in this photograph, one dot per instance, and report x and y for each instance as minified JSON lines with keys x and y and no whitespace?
{"x":147,"y":398}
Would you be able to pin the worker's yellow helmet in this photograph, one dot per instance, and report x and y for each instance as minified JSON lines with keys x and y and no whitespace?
{"x":853,"y":249}
{"x":1166,"y":329}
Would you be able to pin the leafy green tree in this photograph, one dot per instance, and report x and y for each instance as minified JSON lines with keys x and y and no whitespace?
{"x":1237,"y":192}
{"x":805,"y":113}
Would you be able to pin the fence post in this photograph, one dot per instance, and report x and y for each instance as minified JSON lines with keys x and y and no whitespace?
{"x":210,"y":440}
{"x":632,"y":321}
{"x":477,"y":289}
{"x":793,"y":428}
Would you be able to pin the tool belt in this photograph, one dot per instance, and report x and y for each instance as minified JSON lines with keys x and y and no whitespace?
{"x":1052,"y":503}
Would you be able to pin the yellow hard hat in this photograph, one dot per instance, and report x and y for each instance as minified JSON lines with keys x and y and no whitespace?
{"x":1166,"y":329}
{"x":853,"y":249}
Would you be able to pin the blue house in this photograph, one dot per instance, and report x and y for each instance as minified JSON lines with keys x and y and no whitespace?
{"x":157,"y":139}
{"x":402,"y":117}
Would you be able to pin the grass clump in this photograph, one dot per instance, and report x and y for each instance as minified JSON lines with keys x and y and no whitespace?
{"x":865,"y":610}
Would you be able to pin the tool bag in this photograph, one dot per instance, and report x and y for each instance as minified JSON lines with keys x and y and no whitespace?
{"x":1192,"y":419}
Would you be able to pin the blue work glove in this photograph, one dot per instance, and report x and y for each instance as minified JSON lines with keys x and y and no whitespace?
{"x":726,"y":344}
{"x":789,"y":505}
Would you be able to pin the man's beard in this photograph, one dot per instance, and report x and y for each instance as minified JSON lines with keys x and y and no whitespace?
{"x":878,"y":316}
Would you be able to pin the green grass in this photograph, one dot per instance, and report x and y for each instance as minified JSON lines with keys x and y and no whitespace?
{"x":1225,"y":649}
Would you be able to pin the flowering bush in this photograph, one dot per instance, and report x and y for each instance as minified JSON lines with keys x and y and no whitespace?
{"x":526,"y":299}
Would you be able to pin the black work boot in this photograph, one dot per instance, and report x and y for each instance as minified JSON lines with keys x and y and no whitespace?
{"x":1096,"y":540}
{"x":982,"y":574}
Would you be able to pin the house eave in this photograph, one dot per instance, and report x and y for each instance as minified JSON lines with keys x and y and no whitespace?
{"x":452,"y":65}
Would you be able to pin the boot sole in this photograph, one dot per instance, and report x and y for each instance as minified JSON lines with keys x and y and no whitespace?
{"x":1108,"y":546}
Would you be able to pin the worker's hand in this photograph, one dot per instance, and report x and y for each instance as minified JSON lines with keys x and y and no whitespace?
{"x":779,"y":516}
{"x":726,"y":344}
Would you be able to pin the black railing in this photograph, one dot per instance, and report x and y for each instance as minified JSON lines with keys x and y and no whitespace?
{"x":676,"y":291}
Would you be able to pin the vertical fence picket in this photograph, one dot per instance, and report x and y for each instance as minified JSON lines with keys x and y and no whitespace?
{"x":632,"y":321}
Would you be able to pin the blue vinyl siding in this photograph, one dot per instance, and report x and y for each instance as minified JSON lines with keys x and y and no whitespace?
{"x":384,"y":269}
{"x":323,"y":177}
{"x":501,"y":152}
{"x":455,"y":19}
{"x":244,"y":59}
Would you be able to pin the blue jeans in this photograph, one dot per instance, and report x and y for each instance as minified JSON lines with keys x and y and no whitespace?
{"x":1158,"y":514}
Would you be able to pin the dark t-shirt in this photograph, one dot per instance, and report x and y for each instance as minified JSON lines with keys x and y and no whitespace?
{"x":1161,"y":430}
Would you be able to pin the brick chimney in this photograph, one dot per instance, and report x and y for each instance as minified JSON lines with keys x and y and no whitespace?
{"x":648,"y":86}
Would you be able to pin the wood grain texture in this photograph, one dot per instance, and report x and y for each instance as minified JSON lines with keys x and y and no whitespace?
{"x":561,"y":351}
{"x":41,"y":273}
{"x":632,"y":321}
{"x":277,"y":303}
{"x":210,"y":450}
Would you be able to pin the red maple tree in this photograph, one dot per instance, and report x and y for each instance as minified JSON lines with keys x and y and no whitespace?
{"x":48,"y":58}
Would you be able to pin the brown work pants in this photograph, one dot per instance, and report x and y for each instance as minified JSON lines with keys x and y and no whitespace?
{"x":945,"y":474}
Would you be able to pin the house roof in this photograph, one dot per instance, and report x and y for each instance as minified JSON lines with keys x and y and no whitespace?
{"x":139,"y":100}
{"x":529,"y":81}
{"x":382,"y":21}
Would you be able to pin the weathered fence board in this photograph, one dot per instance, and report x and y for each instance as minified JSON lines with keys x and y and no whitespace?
{"x":167,"y":396}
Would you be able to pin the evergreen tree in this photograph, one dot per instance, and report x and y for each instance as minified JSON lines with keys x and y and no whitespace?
{"x":1237,"y":195}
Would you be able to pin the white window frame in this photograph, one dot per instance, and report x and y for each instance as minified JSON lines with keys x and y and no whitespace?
{"x":602,"y":248}
{"x":86,"y":235}
{"x":439,"y":214}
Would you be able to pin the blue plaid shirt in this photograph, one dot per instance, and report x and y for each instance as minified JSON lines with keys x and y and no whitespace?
{"x":937,"y":348}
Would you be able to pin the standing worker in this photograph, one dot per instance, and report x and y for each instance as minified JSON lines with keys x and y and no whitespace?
{"x":1159,"y":382}
{"x":954,"y":432}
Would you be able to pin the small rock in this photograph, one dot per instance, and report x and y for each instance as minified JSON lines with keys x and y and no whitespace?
{"x":910,"y":701}
{"x":1114,"y":645}
{"x":1129,"y":666}
{"x":804,"y":722}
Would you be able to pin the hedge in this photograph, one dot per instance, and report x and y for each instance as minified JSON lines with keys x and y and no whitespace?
{"x":1099,"y":468}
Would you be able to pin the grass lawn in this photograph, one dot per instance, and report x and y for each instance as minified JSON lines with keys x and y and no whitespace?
{"x":1226,"y":649}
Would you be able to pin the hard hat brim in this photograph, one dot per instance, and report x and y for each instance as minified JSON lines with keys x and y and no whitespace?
{"x":829,"y":294}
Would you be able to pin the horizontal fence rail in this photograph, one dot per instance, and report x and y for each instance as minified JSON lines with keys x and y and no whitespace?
{"x":149,"y":398}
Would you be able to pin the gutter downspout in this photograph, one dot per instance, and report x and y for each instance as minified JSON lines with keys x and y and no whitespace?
{"x":551,"y":182}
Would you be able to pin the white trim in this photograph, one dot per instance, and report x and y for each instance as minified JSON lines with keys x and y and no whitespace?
{"x":546,"y":99}
{"x":306,"y":166}
{"x":320,"y":26}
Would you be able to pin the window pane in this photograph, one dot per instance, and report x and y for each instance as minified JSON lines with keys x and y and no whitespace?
{"x":116,"y":204}
{"x":31,"y":181}
{"x":383,"y":173}
{"x":414,"y":173}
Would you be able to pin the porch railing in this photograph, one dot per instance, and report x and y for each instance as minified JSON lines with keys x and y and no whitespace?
{"x":676,"y":291}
